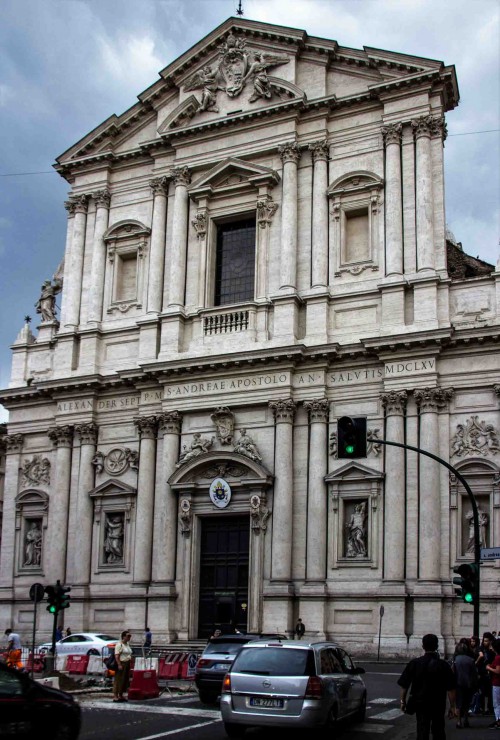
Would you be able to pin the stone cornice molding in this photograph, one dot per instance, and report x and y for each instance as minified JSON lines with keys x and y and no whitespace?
{"x":392,"y":133}
{"x":87,"y":433}
{"x":102,"y":198}
{"x":147,"y":426}
{"x":289,"y":152}
{"x":432,"y":399}
{"x":283,"y":409}
{"x":181,"y":176}
{"x":317,"y":409}
{"x":61,"y":436}
{"x":266,"y":209}
{"x":394,"y":402}
{"x":320,"y":150}
{"x":13,"y":443}
{"x":159,"y":185}
{"x":170,"y":422}
{"x":199,"y":223}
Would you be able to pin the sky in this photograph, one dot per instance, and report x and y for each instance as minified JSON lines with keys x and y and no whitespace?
{"x":66,"y":65}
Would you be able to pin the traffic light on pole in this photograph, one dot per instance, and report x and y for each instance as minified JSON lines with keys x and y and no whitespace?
{"x":466,"y":583}
{"x":51,"y":599}
{"x":62,"y":597}
{"x":351,"y":437}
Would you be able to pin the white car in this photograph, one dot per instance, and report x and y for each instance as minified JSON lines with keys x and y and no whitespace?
{"x":82,"y":643}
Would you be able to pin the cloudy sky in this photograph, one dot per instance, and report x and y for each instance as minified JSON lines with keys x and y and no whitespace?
{"x":66,"y":65}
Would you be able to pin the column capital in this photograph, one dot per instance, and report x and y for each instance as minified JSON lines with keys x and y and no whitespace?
{"x":200,"y":224}
{"x":81,"y":203}
{"x":432,"y":399}
{"x":320,"y":150}
{"x":70,"y":206}
{"x":87,"y":433}
{"x":13,"y":443}
{"x":394,"y":402}
{"x":289,"y":152}
{"x":102,"y":198}
{"x":422,"y":127}
{"x":159,"y":185}
{"x":61,"y":436}
{"x":266,"y":208}
{"x":317,"y":409}
{"x":392,"y":133}
{"x":170,"y":422}
{"x":283,"y":409}
{"x":147,"y":426}
{"x":439,"y":128}
{"x":496,"y":388}
{"x":181,"y":176}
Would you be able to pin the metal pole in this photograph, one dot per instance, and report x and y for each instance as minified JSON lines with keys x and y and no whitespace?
{"x":33,"y":640}
{"x":477,"y":543}
{"x":381,"y":612}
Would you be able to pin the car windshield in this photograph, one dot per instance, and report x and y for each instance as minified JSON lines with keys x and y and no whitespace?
{"x":223,"y":647}
{"x":275,"y":662}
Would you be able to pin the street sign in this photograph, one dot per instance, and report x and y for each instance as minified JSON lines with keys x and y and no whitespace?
{"x":37,"y":592}
{"x":192,"y":661}
{"x":490,"y":553}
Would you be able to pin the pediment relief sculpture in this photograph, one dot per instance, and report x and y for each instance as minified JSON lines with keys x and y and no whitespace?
{"x":116,"y":461}
{"x":246,"y":446}
{"x":475,"y":438}
{"x":36,"y":471}
{"x":198,"y":446}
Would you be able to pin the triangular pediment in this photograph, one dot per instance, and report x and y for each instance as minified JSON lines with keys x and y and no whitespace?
{"x":354,"y":471}
{"x":233,"y":174}
{"x":112,"y":487}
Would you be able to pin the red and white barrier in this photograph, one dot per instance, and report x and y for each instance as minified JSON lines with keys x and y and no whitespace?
{"x":144,"y":685}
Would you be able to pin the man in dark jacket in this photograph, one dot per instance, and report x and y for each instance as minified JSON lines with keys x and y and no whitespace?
{"x":431,"y":679}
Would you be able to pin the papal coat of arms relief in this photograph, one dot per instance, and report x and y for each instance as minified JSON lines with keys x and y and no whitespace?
{"x":235,"y":67}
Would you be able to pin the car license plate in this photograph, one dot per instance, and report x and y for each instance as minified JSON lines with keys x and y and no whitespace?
{"x":259,"y":701}
{"x":222,"y":666}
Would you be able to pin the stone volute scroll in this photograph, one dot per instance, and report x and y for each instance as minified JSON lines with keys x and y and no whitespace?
{"x":259,"y":514}
{"x":223,"y":420}
{"x":36,"y":471}
{"x":247,"y":447}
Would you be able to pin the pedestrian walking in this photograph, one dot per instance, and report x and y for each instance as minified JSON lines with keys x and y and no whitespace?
{"x":59,"y":633}
{"x":429,"y":679}
{"x":300,"y":629}
{"x":464,"y":668}
{"x":485,"y":657}
{"x":493,"y":669}
{"x":14,"y":650}
{"x":148,"y":641}
{"x":123,"y":656}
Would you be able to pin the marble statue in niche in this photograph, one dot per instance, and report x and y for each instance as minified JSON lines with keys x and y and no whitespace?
{"x":483,"y":523}
{"x":33,"y":544}
{"x":113,"y":540}
{"x":357,"y":532}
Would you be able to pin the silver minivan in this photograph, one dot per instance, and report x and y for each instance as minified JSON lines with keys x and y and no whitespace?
{"x":291,"y":683}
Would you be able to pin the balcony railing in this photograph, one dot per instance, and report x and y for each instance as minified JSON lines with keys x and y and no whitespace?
{"x":226,"y":323}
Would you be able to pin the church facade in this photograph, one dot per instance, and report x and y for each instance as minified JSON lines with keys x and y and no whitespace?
{"x":254,"y":249}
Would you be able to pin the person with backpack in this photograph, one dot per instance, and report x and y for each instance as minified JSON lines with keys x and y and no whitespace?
{"x":430,"y":679}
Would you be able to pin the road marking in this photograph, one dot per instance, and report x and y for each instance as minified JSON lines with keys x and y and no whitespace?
{"x":175,"y":732}
{"x":129,"y":707}
{"x":389,"y":714}
{"x":381,"y":700}
{"x":372,"y":673}
{"x":375,"y":729}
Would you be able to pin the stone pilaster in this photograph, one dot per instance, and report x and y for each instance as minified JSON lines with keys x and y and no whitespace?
{"x":74,"y":284}
{"x":57,"y":531}
{"x":13,"y":448}
{"x":200,"y":225}
{"x":290,"y":155}
{"x":70,"y":207}
{"x":147,"y":426}
{"x":422,"y":128}
{"x":284,"y":412}
{"x":266,"y":208}
{"x":181,"y":178}
{"x":429,"y":401}
{"x":165,"y":521}
{"x":102,"y":199}
{"x":85,"y":514}
{"x":317,"y":498}
{"x":159,"y":186}
{"x":394,"y":403}
{"x":319,"y":269}
{"x":393,"y":199}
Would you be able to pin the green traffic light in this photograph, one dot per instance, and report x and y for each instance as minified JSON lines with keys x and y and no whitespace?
{"x":52,"y":609}
{"x":468,"y":597}
{"x":349,"y":449}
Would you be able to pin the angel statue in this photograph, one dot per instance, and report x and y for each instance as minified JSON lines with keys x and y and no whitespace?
{"x":209,"y":80}
{"x":258,"y":68}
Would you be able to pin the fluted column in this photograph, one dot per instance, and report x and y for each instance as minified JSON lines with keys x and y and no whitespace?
{"x":159,"y":186}
{"x":57,"y":531}
{"x":319,"y":269}
{"x":424,"y":195}
{"x":290,"y":155}
{"x":181,"y":179}
{"x":394,"y":403}
{"x":13,"y":448}
{"x":76,"y":268}
{"x":165,"y":519}
{"x":429,"y":401}
{"x":102,"y":199}
{"x":70,"y":207}
{"x":147,"y":426}
{"x":284,"y":412}
{"x":317,"y":498}
{"x":393,"y":200}
{"x":85,"y":511}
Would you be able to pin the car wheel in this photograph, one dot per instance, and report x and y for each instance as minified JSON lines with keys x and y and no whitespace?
{"x":207,"y":698}
{"x":234,"y":731}
{"x":92,"y":651}
{"x":361,"y":713}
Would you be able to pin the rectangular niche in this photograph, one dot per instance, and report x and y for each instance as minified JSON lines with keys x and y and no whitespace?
{"x":357,"y":241}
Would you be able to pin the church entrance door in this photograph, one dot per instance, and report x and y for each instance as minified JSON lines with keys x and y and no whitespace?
{"x":224,"y":556}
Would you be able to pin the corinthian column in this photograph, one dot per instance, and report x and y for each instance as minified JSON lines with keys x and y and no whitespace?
{"x":319,"y":274}
{"x":74,"y":296}
{"x":181,"y":179}
{"x":317,"y":495}
{"x":85,"y":511}
{"x":284,"y":412}
{"x":165,"y":519}
{"x":159,"y":186}
{"x":70,"y":207}
{"x":290,"y":155}
{"x":13,"y":447}
{"x":102,"y":199}
{"x":394,"y":403}
{"x":422,"y":128}
{"x":429,"y":401}
{"x":147,"y":426}
{"x":393,"y":200}
{"x":57,"y":531}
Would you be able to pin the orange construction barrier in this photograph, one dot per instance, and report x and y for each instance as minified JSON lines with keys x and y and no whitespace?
{"x":77,"y":664}
{"x":35,"y":663}
{"x":169,"y":667}
{"x":144,"y":685}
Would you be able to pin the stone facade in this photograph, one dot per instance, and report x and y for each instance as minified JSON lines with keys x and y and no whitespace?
{"x":158,"y":412}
